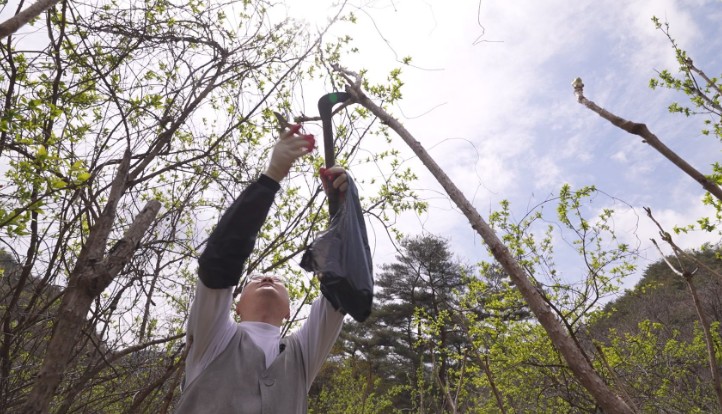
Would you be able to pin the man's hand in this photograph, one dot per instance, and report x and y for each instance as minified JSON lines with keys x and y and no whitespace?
{"x":336,"y":177}
{"x":290,"y":147}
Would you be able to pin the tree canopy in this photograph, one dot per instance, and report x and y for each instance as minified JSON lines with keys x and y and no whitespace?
{"x":125,"y":130}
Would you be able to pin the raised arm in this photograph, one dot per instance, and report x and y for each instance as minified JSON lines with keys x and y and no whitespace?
{"x":233,"y":240}
{"x":220,"y":266}
{"x":210,"y":327}
{"x":323,"y":325}
{"x":221,"y":263}
{"x":317,"y":336}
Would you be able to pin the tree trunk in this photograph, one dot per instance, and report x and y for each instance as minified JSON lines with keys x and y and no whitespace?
{"x":559,"y":336}
{"x":91,"y":275}
{"x":87,"y":282}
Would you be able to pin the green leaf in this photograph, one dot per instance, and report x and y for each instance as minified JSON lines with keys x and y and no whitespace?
{"x":57,"y":183}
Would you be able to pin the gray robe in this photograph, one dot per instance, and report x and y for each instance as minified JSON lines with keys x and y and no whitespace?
{"x":237,"y":382}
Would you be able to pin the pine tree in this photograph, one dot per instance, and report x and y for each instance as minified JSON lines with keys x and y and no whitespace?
{"x":411,"y":338}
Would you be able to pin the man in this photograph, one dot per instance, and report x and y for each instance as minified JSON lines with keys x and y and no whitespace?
{"x":247,"y":367}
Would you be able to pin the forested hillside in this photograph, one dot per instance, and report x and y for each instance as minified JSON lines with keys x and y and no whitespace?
{"x":428,"y":350}
{"x":655,"y":340}
{"x":663,"y":297}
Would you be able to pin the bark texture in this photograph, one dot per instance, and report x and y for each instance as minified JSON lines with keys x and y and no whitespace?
{"x":12,"y":24}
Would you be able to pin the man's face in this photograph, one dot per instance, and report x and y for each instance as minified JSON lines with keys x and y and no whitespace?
{"x":268,"y":291}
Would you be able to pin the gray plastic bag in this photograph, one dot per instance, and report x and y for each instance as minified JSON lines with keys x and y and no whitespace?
{"x":341,"y":258}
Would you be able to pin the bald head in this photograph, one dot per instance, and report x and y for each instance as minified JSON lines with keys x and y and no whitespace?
{"x":264,"y":299}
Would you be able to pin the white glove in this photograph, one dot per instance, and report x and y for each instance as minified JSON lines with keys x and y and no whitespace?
{"x":290,"y":147}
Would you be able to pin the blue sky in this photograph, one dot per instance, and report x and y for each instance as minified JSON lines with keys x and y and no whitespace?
{"x":489,"y":95}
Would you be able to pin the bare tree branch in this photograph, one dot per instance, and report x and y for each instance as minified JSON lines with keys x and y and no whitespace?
{"x":559,"y":336}
{"x":648,"y":138}
{"x":687,"y":275}
{"x":14,"y":23}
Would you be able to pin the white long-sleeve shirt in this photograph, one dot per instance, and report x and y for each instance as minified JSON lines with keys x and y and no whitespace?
{"x":211,"y":328}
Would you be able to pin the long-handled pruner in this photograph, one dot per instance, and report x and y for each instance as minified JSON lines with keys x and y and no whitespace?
{"x":340,"y":256}
{"x":325,"y":109}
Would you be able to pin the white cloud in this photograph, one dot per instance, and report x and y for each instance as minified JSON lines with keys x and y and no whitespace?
{"x":651,"y":48}
{"x":620,"y":156}
{"x":548,"y":174}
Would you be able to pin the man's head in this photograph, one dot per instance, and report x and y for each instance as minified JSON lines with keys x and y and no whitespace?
{"x":264,"y":299}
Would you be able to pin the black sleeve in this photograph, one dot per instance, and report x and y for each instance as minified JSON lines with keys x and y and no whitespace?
{"x":229,"y":245}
